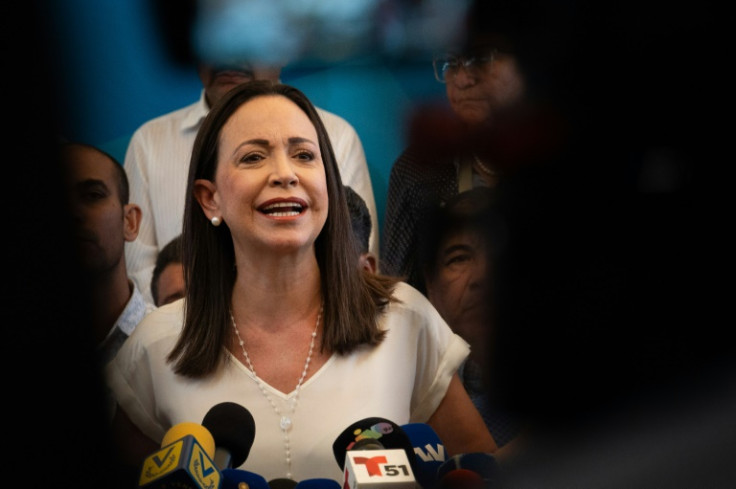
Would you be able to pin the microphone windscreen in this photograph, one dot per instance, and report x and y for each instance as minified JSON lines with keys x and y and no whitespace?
{"x":381,"y":430}
{"x":233,"y":428}
{"x":199,"y":432}
{"x":319,"y":483}
{"x":481,"y":463}
{"x":239,"y":479}
{"x":282,"y":483}
{"x":429,"y":452}
{"x":462,"y":479}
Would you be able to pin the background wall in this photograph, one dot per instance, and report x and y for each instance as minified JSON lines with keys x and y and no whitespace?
{"x":117,"y":74}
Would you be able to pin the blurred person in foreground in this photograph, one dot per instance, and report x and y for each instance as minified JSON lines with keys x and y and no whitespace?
{"x":607,"y":341}
{"x":277,"y":316}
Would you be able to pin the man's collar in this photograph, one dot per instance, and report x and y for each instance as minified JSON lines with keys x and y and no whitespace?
{"x":195,"y":115}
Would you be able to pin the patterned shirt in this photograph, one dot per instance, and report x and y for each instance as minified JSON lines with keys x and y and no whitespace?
{"x":418,"y":184}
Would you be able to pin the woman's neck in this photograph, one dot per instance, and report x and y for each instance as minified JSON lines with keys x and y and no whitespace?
{"x":276,"y":289}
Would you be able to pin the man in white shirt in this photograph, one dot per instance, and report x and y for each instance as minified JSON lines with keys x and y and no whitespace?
{"x":157,"y":165}
{"x":104,"y":221}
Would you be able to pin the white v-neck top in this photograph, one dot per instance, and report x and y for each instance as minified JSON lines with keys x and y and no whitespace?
{"x":403,"y":380}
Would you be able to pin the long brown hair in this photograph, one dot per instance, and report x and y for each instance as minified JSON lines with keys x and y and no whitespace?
{"x":353,"y":300}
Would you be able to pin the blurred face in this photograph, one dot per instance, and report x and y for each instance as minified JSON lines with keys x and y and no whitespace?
{"x":459,"y":290}
{"x":476,"y":91}
{"x":270,"y":186}
{"x":170,"y":284}
{"x":217,"y":80}
{"x":101,"y":228}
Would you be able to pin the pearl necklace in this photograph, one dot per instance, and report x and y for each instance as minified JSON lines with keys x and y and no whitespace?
{"x":285,"y":421}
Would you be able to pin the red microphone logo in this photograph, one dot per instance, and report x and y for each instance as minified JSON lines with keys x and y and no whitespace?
{"x":371,"y":464}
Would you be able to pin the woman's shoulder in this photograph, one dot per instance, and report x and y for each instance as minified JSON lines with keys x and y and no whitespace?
{"x":408,"y":300}
{"x":412,"y":318}
{"x":160,"y":323}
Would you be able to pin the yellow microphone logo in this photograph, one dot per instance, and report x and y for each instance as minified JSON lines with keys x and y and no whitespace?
{"x":184,"y":459}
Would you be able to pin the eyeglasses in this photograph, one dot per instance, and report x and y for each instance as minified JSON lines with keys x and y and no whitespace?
{"x":447,"y":67}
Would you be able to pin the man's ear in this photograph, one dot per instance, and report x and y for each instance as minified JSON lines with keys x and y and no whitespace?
{"x":368,"y":262}
{"x":204,"y":192}
{"x":131,"y":221}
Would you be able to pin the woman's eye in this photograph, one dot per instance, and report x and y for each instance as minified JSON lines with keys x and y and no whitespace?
{"x":251,"y":158}
{"x":305,"y":156}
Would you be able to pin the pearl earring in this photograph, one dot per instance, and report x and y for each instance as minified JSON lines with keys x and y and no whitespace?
{"x":215,"y":221}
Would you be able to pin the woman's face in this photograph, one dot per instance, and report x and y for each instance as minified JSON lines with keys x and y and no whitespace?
{"x":270,"y":182}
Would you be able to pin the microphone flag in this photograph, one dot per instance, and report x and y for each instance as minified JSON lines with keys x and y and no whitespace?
{"x":378,"y":469}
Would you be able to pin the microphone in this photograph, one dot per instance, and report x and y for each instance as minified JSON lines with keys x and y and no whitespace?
{"x":375,"y":453}
{"x":468,"y":470}
{"x":202,"y":434}
{"x":371,"y":433}
{"x":282,"y":483}
{"x":318,"y":483}
{"x":429,"y":452}
{"x":182,"y":461}
{"x":234,"y":430}
{"x":242,"y":479}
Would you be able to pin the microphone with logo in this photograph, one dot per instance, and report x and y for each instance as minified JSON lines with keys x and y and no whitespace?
{"x":476,"y":470}
{"x":429,"y":453}
{"x":184,"y":460}
{"x":375,"y":453}
{"x":233,"y":430}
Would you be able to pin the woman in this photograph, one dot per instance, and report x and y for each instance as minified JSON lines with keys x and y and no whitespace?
{"x":271,"y":279}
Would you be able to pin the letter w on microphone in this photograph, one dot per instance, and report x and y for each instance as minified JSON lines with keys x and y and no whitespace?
{"x":378,"y":469}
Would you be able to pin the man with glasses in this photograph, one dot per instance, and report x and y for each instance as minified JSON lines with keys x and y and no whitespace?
{"x":479,"y":82}
{"x":483,"y":82}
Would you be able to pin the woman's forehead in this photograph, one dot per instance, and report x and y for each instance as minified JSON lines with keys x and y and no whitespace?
{"x":267,"y":116}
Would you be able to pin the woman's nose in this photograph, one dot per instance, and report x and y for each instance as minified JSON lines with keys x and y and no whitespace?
{"x":283,"y":173}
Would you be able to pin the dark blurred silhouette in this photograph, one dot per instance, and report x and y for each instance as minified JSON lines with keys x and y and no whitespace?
{"x":54,"y":393}
{"x":607,"y":331}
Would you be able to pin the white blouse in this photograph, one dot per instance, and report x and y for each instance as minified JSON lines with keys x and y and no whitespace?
{"x":403,"y":379}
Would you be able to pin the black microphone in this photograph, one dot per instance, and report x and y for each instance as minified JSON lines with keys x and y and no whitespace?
{"x":282,"y":483}
{"x":371,"y":433}
{"x":429,"y":452}
{"x":234,"y":430}
{"x":375,"y":452}
{"x":469,"y":471}
{"x":183,"y":460}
